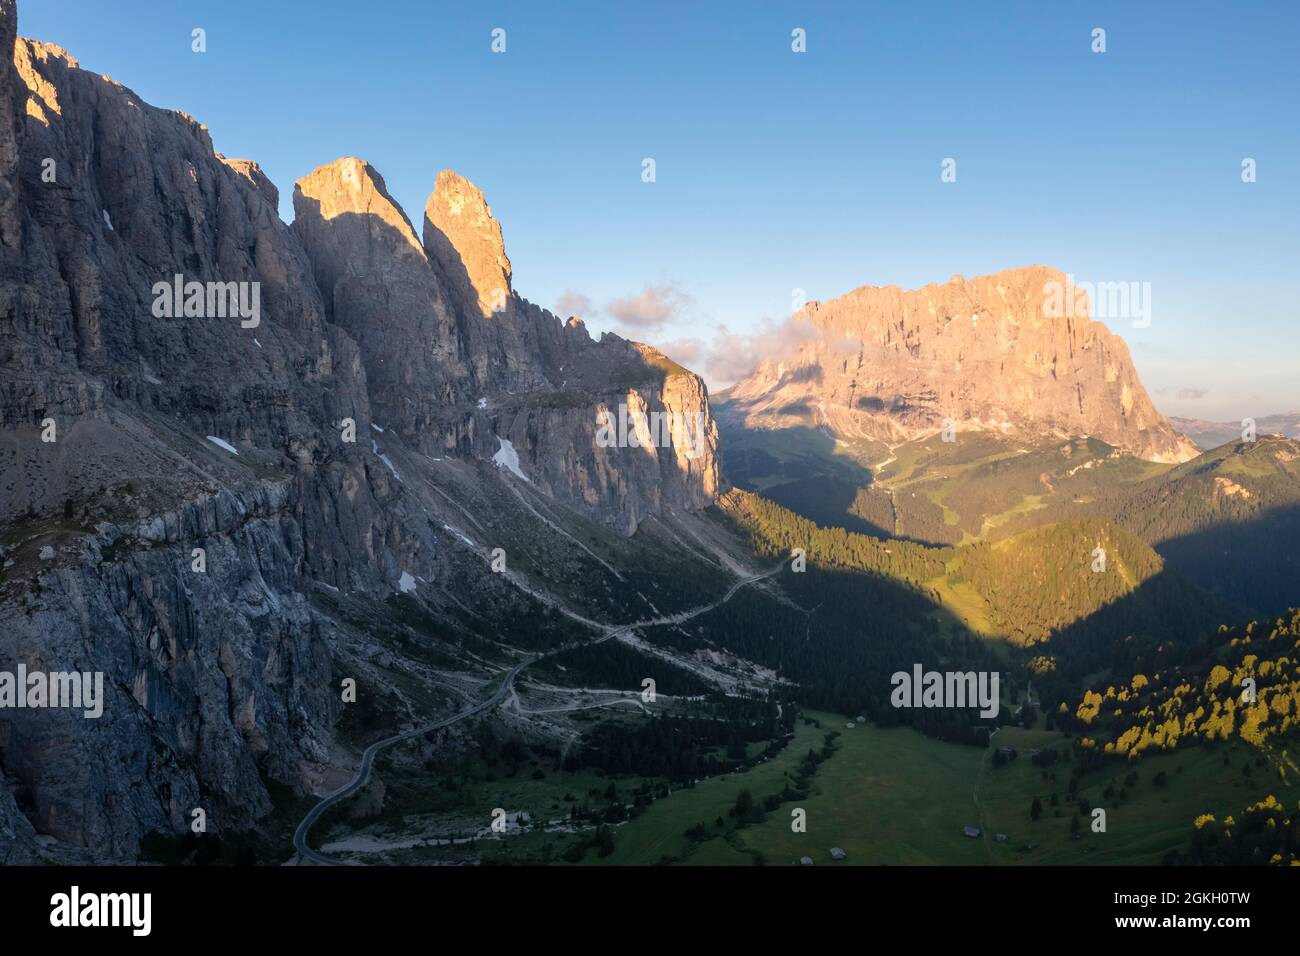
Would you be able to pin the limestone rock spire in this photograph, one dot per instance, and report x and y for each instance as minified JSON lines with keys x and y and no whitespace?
{"x":464,"y":243}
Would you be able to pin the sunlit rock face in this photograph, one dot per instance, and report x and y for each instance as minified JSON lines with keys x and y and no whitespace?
{"x":990,"y":353}
{"x":458,"y":361}
{"x":464,"y":241}
{"x":377,"y":286}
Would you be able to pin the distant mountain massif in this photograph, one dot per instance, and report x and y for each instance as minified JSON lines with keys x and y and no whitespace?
{"x":987,"y":354}
{"x":1209,"y":435}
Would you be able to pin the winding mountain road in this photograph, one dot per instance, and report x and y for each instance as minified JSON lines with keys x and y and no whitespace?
{"x":507,"y":685}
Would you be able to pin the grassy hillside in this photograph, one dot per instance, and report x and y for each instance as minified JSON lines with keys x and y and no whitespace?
{"x":886,"y":797}
{"x":1228,"y":520}
{"x":1023,"y":589}
{"x":1150,"y":806}
{"x":1059,"y":578}
{"x":894,"y":797}
{"x":979,"y":487}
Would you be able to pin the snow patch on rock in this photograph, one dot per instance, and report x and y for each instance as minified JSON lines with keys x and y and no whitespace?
{"x":506,"y":457}
{"x":461,"y":534}
{"x":374,"y":446}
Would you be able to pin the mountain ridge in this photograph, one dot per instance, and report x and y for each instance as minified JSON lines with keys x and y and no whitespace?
{"x":184,"y":496}
{"x":1210,"y":434}
{"x":983,"y":354}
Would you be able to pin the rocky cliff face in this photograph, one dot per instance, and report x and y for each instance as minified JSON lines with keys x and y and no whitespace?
{"x":377,"y":286}
{"x":11,"y":109}
{"x":443,"y":312}
{"x":987,"y":353}
{"x":298,"y":451}
{"x":464,"y":241}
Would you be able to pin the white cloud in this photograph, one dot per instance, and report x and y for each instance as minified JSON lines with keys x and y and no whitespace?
{"x":574,"y":303}
{"x":686,"y":351}
{"x":652,"y":308}
{"x":730,"y":356}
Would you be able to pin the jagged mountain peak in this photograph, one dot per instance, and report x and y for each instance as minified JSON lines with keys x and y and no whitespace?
{"x":1026,"y":281}
{"x":305,"y":419}
{"x":353,"y":186}
{"x":994,"y":353}
{"x":464,"y":240}
{"x":251,"y":170}
{"x":457,"y":362}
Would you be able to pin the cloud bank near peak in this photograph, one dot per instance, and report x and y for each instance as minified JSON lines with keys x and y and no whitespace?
{"x":659,"y":315}
{"x":650,"y":310}
{"x":728,"y":356}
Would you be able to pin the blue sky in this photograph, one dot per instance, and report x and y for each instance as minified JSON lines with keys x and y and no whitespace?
{"x":777,"y":170}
